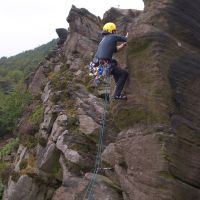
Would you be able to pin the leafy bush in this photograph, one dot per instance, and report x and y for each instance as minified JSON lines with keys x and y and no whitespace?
{"x":13,"y":95}
{"x":1,"y":189}
{"x":5,"y":168}
{"x":11,"y":108}
{"x":8,"y":148}
{"x":37,"y":115}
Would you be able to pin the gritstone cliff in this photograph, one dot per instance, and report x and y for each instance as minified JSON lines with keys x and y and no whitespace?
{"x":152,"y":141}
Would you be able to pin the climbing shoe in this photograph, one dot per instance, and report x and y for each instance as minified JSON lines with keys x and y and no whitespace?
{"x":121,"y":97}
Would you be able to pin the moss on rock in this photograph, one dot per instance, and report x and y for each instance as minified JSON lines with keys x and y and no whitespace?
{"x":37,"y":115}
{"x":128,"y":117}
{"x":138,"y":46}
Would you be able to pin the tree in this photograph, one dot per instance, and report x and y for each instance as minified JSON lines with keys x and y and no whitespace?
{"x":11,"y":108}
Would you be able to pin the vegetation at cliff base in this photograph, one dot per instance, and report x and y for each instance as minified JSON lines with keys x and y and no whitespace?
{"x":8,"y":148}
{"x":11,"y":108}
{"x":14,"y":96}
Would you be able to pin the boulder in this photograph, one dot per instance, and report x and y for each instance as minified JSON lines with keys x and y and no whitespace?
{"x":25,"y":189}
{"x":76,"y":188}
{"x":62,"y":34}
{"x":38,"y":82}
{"x":59,"y":126}
{"x":48,"y":158}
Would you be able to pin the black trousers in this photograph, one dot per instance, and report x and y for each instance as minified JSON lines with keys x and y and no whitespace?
{"x":120,"y":76}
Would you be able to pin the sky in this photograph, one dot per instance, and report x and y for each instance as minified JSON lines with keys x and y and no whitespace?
{"x":27,"y":24}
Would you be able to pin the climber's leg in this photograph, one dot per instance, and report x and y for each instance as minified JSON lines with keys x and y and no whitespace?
{"x":120,"y":84}
{"x":120,"y":76}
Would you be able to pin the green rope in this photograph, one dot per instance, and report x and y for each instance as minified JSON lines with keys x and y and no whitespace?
{"x":91,"y":185}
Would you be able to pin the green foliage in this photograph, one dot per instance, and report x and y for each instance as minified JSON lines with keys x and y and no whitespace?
{"x":23,"y":164}
{"x":16,"y":68}
{"x":15,"y":75}
{"x":2,"y":96}
{"x":13,"y":95}
{"x":37,"y":115}
{"x":8,"y":148}
{"x":72,"y":122}
{"x":61,"y":80}
{"x":28,"y":140}
{"x":6,"y":85}
{"x":26,"y":61}
{"x":15,"y":176}
{"x":8,"y":81}
{"x":4,"y":166}
{"x":42,"y":141}
{"x":11,"y":107}
{"x":1,"y":189}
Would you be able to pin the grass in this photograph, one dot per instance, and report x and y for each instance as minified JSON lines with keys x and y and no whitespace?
{"x":8,"y":148}
{"x":1,"y":189}
{"x":37,"y":115}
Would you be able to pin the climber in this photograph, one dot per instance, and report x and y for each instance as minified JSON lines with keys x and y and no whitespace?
{"x":106,"y":48}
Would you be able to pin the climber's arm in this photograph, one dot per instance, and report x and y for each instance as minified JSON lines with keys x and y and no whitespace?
{"x":124,"y":40}
{"x":121,"y":46}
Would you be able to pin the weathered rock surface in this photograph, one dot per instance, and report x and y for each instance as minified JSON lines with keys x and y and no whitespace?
{"x":48,"y":158}
{"x":74,"y":189}
{"x":38,"y":82}
{"x":62,"y":34}
{"x":25,"y":188}
{"x":152,"y":143}
{"x":161,"y":145}
{"x":59,"y":126}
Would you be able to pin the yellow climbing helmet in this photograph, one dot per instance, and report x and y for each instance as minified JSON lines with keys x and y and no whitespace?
{"x":109,"y":27}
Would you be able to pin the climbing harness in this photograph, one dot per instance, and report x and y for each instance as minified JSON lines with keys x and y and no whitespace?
{"x":91,"y":186}
{"x":100,"y":70}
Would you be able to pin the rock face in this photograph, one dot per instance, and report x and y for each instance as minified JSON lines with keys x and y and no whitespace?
{"x":159,"y":150}
{"x":25,"y":188}
{"x":62,"y":34}
{"x":152,"y":145}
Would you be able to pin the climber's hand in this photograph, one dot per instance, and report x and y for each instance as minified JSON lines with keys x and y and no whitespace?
{"x":124,"y":44}
{"x":126,"y":35}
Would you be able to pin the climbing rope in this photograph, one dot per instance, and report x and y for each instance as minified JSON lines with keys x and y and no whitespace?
{"x":90,"y":188}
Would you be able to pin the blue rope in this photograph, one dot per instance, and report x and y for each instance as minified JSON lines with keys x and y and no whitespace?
{"x":91,"y":185}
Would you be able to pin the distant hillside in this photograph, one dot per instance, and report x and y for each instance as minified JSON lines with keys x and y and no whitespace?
{"x":13,"y":95}
{"x":27,"y":59}
{"x":15,"y":68}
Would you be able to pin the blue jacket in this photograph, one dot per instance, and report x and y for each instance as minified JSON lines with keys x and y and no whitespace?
{"x":108,"y":45}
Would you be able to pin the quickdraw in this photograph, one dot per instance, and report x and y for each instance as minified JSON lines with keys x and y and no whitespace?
{"x":100,"y":71}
